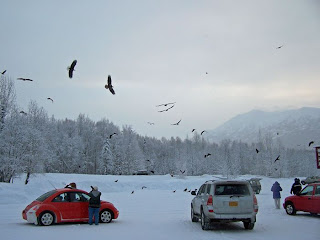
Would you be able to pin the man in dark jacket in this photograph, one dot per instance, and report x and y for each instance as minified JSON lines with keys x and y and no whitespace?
{"x":94,"y":205}
{"x":276,"y":194}
{"x":296,"y":186}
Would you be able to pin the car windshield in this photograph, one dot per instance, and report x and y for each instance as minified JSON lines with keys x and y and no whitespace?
{"x":232,"y":189}
{"x":45,"y":196}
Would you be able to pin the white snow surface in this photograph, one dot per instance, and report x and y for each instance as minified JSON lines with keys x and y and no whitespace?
{"x":155,"y":212}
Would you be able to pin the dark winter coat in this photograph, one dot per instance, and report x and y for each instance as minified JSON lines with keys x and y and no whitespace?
{"x":94,"y":200}
{"x":276,"y":190}
{"x":296,"y":187}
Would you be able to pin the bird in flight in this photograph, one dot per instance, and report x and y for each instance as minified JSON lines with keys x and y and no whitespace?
{"x":132,"y":192}
{"x":202,"y":132}
{"x":109,"y":85}
{"x":257,"y":150}
{"x":150,"y":123}
{"x":152,"y":172}
{"x":193,"y":130}
{"x":174,"y":191}
{"x":207,"y":155}
{"x":50,"y":99}
{"x":25,"y":79}
{"x":116,"y":180}
{"x":143,"y":187}
{"x":280,"y":47}
{"x":176,"y":123}
{"x":165,"y":104}
{"x":112,"y":135}
{"x":310,"y":143}
{"x":278,"y":158}
{"x":4,"y":72}
{"x":148,"y":160}
{"x":183,"y":171}
{"x":22,"y":112}
{"x":186,"y":189}
{"x":71,"y":68}
{"x":165,"y":110}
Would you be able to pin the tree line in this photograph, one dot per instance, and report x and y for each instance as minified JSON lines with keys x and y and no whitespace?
{"x":32,"y":142}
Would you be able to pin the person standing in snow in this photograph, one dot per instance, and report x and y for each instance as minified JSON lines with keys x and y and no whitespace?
{"x":296,"y":186}
{"x":94,"y":205}
{"x":276,"y":188}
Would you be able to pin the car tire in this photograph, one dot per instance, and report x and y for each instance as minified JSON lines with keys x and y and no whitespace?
{"x":46,"y":219}
{"x":248,"y":225}
{"x":290,"y":209}
{"x":204,"y":221}
{"x":193,"y":217}
{"x":106,"y":216}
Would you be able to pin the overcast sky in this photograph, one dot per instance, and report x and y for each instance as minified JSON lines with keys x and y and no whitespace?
{"x":215,"y":59}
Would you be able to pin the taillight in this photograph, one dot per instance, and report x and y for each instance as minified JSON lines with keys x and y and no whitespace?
{"x":210,"y":201}
{"x":255,"y":203}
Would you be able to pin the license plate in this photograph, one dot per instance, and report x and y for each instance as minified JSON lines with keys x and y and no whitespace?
{"x":233,"y":204}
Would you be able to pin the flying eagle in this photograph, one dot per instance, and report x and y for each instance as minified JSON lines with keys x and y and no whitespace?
{"x":25,"y":79}
{"x":71,"y":68}
{"x":109,"y":85}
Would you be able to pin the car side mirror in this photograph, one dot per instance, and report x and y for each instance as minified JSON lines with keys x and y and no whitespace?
{"x":193,"y":193}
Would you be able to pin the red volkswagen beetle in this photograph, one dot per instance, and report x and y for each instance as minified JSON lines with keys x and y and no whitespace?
{"x":307,"y":200}
{"x":65,"y":205}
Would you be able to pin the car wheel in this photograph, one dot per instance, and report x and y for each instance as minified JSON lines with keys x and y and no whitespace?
{"x":290,"y":209}
{"x":204,"y":221}
{"x":193,"y":218}
{"x":46,"y":219}
{"x":248,"y":225}
{"x":106,"y":216}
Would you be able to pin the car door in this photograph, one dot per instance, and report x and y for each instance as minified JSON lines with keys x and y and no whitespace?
{"x":78,"y":206}
{"x":62,"y":203}
{"x":316,"y":200}
{"x":303,"y":202}
{"x":198,"y":199}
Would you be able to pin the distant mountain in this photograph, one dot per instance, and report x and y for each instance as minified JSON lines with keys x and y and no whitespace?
{"x":294,"y":128}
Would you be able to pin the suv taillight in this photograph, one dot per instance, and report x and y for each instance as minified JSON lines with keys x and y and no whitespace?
{"x":255,"y":203}
{"x":210,"y":201}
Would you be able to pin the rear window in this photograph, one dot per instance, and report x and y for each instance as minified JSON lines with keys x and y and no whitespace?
{"x":232,"y":189}
{"x":45,"y":196}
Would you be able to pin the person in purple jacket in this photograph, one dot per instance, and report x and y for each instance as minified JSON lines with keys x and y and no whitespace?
{"x":276,"y":188}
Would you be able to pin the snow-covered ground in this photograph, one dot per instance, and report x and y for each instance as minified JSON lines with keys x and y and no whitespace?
{"x":155,"y":212}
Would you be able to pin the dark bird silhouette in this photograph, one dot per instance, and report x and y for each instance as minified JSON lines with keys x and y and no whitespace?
{"x":206,"y":72}
{"x":165,"y":104}
{"x":148,"y":160}
{"x":22,"y":112}
{"x":280,"y":47}
{"x":174,"y":191}
{"x":171,"y":175}
{"x":176,"y":123}
{"x":4,"y":72}
{"x":277,"y":133}
{"x":183,"y":171}
{"x":312,"y":142}
{"x":143,"y":187}
{"x":116,"y":180}
{"x":193,"y":130}
{"x":109,"y":85}
{"x":276,"y":169}
{"x":278,"y":158}
{"x":202,"y":132}
{"x":71,"y":68}
{"x":152,"y":172}
{"x":25,"y":79}
{"x":257,"y":151}
{"x":132,"y":192}
{"x":50,"y":99}
{"x":165,"y":110}
{"x":207,"y":155}
{"x":186,"y":189}
{"x":112,"y":135}
{"x":150,"y":123}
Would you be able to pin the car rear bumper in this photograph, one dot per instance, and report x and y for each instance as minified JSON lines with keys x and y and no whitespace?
{"x":215,"y":217}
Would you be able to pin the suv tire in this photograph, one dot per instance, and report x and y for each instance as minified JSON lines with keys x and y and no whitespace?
{"x":204,"y":221}
{"x":248,"y":225}
{"x":193,"y":217}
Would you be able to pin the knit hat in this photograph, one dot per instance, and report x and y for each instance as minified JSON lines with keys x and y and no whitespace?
{"x":95,"y":188}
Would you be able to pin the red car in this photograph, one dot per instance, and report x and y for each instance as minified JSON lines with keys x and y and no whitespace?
{"x":307,"y":200}
{"x":65,"y":205}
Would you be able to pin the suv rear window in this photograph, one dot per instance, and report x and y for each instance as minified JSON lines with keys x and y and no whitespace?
{"x":231,"y":189}
{"x":45,"y":196}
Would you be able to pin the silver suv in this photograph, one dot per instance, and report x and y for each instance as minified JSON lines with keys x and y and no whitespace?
{"x":224,"y":201}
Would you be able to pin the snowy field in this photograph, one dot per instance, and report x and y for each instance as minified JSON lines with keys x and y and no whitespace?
{"x":155,"y":212}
